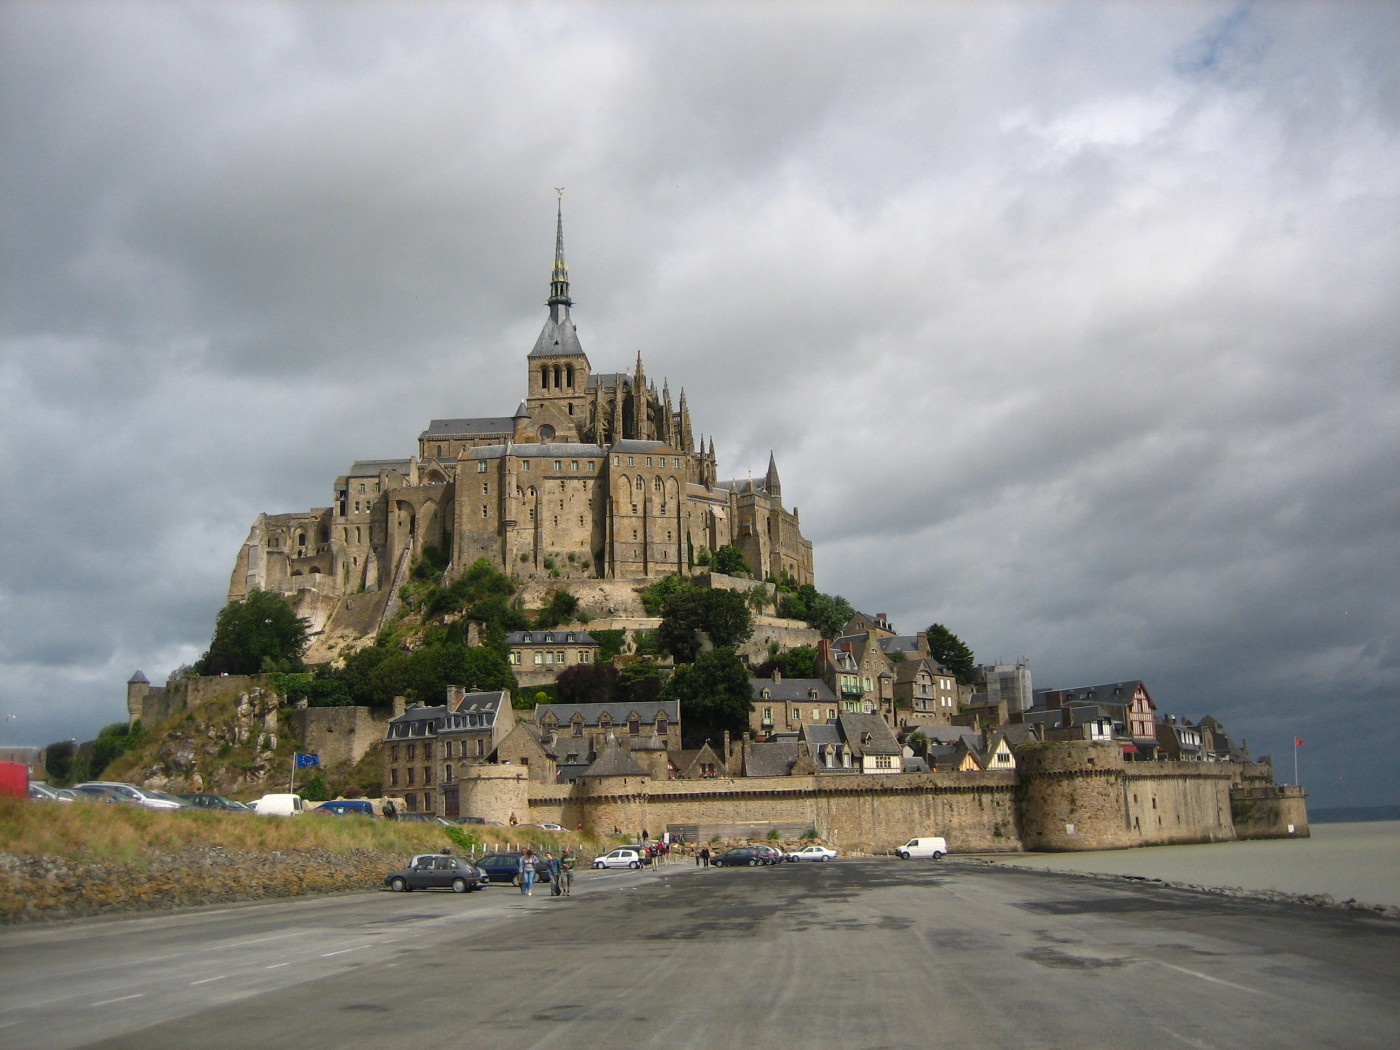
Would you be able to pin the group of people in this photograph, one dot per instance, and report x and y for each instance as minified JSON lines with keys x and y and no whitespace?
{"x":559,"y":869}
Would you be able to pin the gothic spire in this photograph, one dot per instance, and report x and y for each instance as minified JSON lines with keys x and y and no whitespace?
{"x":559,"y":279}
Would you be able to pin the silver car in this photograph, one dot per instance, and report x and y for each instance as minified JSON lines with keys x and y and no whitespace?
{"x":115,"y":792}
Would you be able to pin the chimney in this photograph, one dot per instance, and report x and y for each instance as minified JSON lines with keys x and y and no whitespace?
{"x":777,"y":675}
{"x":399,"y":705}
{"x":455,"y":695}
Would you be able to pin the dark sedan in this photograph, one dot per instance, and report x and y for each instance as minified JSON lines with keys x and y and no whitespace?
{"x":740,"y":856}
{"x":437,"y":873}
{"x":505,"y":867}
{"x":205,"y":801}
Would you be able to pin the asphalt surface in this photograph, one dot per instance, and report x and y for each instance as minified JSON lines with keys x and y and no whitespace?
{"x":850,"y":954}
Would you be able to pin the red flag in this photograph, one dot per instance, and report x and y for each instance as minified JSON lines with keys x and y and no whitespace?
{"x":1297,"y":741}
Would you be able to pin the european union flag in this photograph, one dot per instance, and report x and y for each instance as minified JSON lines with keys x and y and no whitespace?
{"x":303,"y":760}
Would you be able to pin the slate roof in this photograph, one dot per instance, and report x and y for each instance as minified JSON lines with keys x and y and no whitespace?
{"x":550,"y":638}
{"x":482,"y":702}
{"x":635,"y":445}
{"x":469,"y":427}
{"x":898,"y":643}
{"x":855,"y":727}
{"x":534,"y":450}
{"x":613,"y":761}
{"x":557,"y":339}
{"x":370,"y":468}
{"x":792,"y":689}
{"x":618,"y":713}
{"x":772,"y":759}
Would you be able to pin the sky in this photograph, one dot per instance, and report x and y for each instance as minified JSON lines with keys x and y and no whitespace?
{"x":1073,"y":327}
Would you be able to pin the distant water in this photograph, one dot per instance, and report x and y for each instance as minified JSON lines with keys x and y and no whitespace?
{"x":1359,"y":862}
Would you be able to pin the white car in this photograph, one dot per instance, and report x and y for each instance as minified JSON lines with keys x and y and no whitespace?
{"x":619,"y":858}
{"x":811,"y":853}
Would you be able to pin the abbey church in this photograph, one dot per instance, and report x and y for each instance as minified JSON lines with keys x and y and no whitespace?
{"x":595,"y":476}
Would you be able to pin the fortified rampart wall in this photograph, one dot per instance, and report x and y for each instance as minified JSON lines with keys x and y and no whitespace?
{"x":1064,"y":796}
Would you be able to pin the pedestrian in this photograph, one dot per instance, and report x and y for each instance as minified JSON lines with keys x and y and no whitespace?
{"x":551,"y":866}
{"x":566,"y":871}
{"x":527,"y":872}
{"x":705,"y":855}
{"x":389,"y":811}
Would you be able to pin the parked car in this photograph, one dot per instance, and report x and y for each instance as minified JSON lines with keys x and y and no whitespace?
{"x":44,"y":793}
{"x":625,"y":857}
{"x":928,"y":846}
{"x":552,"y":827}
{"x":282,"y":805}
{"x":740,"y":856}
{"x":437,"y":872}
{"x":130,"y":793}
{"x":770,"y":854}
{"x":505,"y":867}
{"x":206,"y":801}
{"x":424,"y":818}
{"x":345,"y":807}
{"x":811,"y":853}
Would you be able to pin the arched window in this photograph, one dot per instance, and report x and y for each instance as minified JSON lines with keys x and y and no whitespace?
{"x":640,"y":486}
{"x":569,"y":381}
{"x":544,"y":377}
{"x":656,"y":484}
{"x":556,"y":377}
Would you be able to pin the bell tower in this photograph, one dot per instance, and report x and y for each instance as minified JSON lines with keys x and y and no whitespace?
{"x":558,"y":367}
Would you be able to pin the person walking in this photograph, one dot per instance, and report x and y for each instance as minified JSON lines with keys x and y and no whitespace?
{"x":527,"y":873}
{"x":705,"y":855}
{"x":566,"y":872}
{"x":551,"y":867}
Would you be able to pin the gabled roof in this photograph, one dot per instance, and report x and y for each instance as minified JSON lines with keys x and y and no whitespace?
{"x":533,"y":450}
{"x":613,"y":761}
{"x":469,"y":427}
{"x":637,"y":445}
{"x":868,"y":734}
{"x":773,"y":759}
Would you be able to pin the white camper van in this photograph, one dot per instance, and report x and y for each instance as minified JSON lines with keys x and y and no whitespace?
{"x":279,"y":806}
{"x":922,"y":847}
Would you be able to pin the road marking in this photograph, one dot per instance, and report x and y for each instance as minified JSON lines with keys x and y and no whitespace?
{"x":208,"y":979}
{"x":121,"y":999}
{"x":327,"y":955}
{"x":1212,"y":980}
{"x":275,"y":966}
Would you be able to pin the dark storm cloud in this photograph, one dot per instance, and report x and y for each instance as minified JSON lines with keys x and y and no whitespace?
{"x":1071,"y":326}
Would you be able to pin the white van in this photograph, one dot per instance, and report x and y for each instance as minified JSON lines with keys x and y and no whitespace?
{"x":923,"y":847}
{"x":279,"y":806}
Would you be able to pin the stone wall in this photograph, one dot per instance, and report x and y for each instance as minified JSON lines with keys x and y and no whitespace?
{"x":1270,"y":812}
{"x":340,"y":734}
{"x":1065,"y":796}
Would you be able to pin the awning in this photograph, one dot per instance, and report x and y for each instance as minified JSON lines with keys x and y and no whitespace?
{"x":1130,"y":749}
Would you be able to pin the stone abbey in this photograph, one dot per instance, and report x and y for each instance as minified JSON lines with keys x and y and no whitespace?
{"x":595,"y":476}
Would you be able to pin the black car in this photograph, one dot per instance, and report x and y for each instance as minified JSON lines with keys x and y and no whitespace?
{"x":437,"y":872}
{"x":505,"y":867}
{"x":740,"y":856}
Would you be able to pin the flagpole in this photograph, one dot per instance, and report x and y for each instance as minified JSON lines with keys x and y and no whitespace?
{"x":1295,"y":761}
{"x":292,"y":773}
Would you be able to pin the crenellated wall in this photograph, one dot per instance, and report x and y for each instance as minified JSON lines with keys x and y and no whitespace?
{"x":1068,"y":795}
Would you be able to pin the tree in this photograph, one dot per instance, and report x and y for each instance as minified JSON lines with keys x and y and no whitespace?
{"x":948,"y":649}
{"x":797,"y":662}
{"x":828,"y":613}
{"x":562,"y":608}
{"x":729,"y":560}
{"x":714,"y":696}
{"x":610,"y":644}
{"x":258,"y":633}
{"x":640,"y":682}
{"x":654,"y":594}
{"x":112,"y":742}
{"x":723,"y":615}
{"x":587,"y":684}
{"x":58,"y":760}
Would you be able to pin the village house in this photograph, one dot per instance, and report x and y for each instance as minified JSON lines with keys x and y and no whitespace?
{"x":425,"y":748}
{"x":538,"y":657}
{"x":784,"y":705}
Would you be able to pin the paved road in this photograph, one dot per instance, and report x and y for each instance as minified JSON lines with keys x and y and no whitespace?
{"x":851,"y":954}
